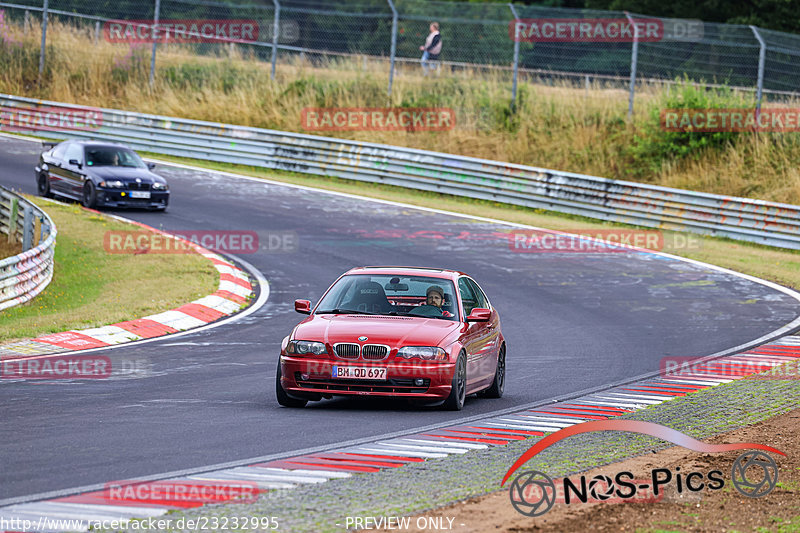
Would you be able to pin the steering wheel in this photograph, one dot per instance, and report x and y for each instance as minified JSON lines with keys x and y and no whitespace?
{"x":426,"y":310}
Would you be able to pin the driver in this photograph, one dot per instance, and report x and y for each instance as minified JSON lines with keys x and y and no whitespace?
{"x":435,"y":296}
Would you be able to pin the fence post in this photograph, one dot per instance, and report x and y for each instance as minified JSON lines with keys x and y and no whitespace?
{"x":762,"y":58}
{"x":97,"y":32}
{"x":12,"y":221}
{"x":516,"y":59}
{"x":634,"y":59}
{"x":393,"y":50}
{"x":155,"y":43}
{"x":275,"y":30}
{"x":27,"y":228}
{"x":27,"y":24}
{"x":44,"y":40}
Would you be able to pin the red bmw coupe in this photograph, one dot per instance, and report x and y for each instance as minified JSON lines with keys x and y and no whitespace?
{"x":419,"y":333}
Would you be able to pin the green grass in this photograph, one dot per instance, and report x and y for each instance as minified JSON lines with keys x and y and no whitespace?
{"x":92,"y":288}
{"x":556,"y":126}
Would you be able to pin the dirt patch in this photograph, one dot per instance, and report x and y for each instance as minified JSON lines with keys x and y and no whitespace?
{"x":704,"y":510}
{"x":8,"y":249}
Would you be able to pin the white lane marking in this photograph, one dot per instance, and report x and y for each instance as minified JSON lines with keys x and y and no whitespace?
{"x":326,"y":474}
{"x":641,"y":402}
{"x":599,"y":402}
{"x":624,"y":395}
{"x":419,"y":447}
{"x":235,"y":288}
{"x":241,"y":474}
{"x":109,"y":334}
{"x":218,"y":303}
{"x":262,"y":483}
{"x":444,"y":442}
{"x":569,"y":421}
{"x":177,"y":320}
{"x":539,"y":422}
{"x":548,"y":429}
{"x":84,"y":511}
{"x":399,"y":453}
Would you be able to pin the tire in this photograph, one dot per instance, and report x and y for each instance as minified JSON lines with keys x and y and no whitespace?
{"x":499,"y":382}
{"x":43,"y":186}
{"x":283,"y":398}
{"x":89,"y":196}
{"x":458,"y":389}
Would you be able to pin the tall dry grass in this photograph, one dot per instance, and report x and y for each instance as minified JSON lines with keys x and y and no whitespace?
{"x":557,"y":126}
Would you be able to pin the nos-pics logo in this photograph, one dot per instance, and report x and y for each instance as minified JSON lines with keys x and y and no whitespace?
{"x":754,"y":473}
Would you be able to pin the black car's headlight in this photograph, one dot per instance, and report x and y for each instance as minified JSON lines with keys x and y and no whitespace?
{"x":160,"y":187}
{"x":305,"y":348}
{"x":112,"y":184}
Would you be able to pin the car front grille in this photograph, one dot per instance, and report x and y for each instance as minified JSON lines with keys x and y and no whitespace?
{"x":362,"y":385}
{"x":347,"y":350}
{"x":133,"y":186}
{"x":374,"y":352}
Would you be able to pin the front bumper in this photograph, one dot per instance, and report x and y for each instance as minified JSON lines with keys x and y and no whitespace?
{"x":121,"y":198}
{"x":302,"y":376}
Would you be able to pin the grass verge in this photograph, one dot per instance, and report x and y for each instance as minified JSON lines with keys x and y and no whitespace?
{"x":774,"y":264}
{"x":92,"y":288}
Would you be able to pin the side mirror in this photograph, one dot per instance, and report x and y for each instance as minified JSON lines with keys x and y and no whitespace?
{"x":303,"y":306}
{"x":75,"y":163}
{"x":151,"y":166}
{"x":479,"y":315}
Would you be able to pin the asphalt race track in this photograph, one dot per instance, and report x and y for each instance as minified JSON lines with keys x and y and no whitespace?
{"x":572,"y":321}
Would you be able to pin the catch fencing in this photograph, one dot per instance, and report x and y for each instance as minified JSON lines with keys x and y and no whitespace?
{"x":25,"y":275}
{"x":757,"y":221}
{"x":505,"y":37}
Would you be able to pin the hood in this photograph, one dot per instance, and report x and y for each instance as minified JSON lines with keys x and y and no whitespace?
{"x":393,"y":331}
{"x":126,"y":174}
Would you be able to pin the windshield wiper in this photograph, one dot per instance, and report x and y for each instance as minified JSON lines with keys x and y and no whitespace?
{"x":344,"y":311}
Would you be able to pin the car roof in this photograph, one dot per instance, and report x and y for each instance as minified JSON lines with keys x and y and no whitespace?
{"x":89,"y":142}
{"x":407,"y":271}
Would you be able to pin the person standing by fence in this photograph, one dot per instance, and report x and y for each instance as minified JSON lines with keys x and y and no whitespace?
{"x":431,"y":49}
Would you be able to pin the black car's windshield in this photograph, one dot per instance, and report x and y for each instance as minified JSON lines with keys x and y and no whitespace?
{"x":387,"y":294}
{"x":112,"y":156}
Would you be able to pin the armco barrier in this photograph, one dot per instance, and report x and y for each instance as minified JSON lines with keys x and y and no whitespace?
{"x":619,"y":201}
{"x":25,"y":275}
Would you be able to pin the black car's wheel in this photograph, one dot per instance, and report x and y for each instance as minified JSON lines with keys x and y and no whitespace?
{"x":499,"y":383}
{"x":43,"y":185}
{"x":283,"y":398}
{"x":458,"y":390}
{"x":89,"y":197}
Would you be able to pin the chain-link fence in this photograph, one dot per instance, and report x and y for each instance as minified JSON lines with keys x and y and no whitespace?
{"x":542,"y":42}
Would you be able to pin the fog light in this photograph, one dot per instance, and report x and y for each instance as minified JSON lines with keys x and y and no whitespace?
{"x":419,"y":382}
{"x":304,"y":376}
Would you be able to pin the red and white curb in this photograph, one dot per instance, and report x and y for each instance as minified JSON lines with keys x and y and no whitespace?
{"x":314,"y":468}
{"x":232,"y":293}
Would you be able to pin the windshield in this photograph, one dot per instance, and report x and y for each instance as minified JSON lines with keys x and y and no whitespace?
{"x":112,"y":156}
{"x":421,"y":296}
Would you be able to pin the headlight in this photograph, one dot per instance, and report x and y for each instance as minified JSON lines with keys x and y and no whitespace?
{"x":428,"y":353}
{"x":160,"y":186}
{"x":113,"y":184}
{"x":305,"y":348}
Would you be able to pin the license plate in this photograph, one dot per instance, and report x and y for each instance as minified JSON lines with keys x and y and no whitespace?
{"x":359,"y":372}
{"x":140,"y":194}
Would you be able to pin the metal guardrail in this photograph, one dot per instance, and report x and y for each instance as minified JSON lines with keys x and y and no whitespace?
{"x":25,"y":275}
{"x":757,"y":221}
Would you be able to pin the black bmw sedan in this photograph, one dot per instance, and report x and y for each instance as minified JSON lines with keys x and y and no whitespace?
{"x":100,"y":174}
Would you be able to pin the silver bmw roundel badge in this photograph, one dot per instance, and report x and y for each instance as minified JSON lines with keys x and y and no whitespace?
{"x":362,"y":338}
